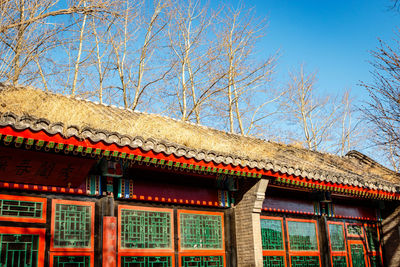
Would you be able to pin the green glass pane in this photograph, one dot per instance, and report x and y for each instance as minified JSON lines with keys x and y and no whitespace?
{"x":302,"y":236}
{"x":19,"y":250}
{"x":199,"y":231}
{"x":146,"y":261}
{"x":273,"y":261}
{"x":145,"y":229}
{"x":357,"y":255}
{"x":336,"y":235}
{"x":372,"y":237}
{"x":302,"y":261}
{"x":271,"y":233}
{"x":375,"y":261}
{"x":353,"y":229}
{"x":71,"y":261}
{"x":15,"y":208}
{"x":72,"y":226}
{"x":339,"y":261}
{"x":202,"y":261}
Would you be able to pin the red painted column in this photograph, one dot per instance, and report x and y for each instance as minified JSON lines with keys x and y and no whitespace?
{"x":109,"y":241}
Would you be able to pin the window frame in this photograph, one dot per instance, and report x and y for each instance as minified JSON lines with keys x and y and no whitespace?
{"x":360,"y":242}
{"x":303,"y":252}
{"x":200,"y":252}
{"x":41,"y":232}
{"x":53,"y":214}
{"x":276,"y":252}
{"x":338,"y":253}
{"x":146,"y":252}
{"x":71,"y":253}
{"x":27,"y":199}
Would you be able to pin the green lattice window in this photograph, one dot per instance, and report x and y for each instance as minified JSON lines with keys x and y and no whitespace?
{"x":339,"y":261}
{"x":145,"y":229}
{"x":273,"y":261}
{"x":301,"y":261}
{"x":357,"y":255}
{"x":200,"y":231}
{"x":146,"y":261}
{"x":26,"y":209}
{"x":272,"y":234}
{"x":71,"y":261}
{"x":302,"y":235}
{"x":337,"y":237}
{"x":72,"y":226}
{"x":375,"y":261}
{"x":354,"y":230}
{"x":372,"y":237}
{"x":19,"y":250}
{"x":202,"y":261}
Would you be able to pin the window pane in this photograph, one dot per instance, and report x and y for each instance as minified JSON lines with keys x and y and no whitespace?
{"x":273,"y":261}
{"x":372,"y":236}
{"x":302,"y":261}
{"x":337,"y":237}
{"x":200,"y":261}
{"x":19,"y":250}
{"x":357,"y":255}
{"x":145,"y":229}
{"x":339,"y":261}
{"x":72,"y":226}
{"x":271,"y":233}
{"x":302,"y":235}
{"x":145,"y":261}
{"x":199,"y":231}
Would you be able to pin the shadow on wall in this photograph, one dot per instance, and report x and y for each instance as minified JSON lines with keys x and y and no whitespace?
{"x":391,"y":238}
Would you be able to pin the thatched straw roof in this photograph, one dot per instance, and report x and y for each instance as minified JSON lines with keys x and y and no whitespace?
{"x":87,"y":119}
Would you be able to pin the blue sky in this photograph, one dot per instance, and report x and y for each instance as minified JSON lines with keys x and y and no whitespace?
{"x":333,"y":38}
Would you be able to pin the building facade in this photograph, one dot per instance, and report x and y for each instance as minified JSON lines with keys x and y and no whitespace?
{"x":85,"y":184}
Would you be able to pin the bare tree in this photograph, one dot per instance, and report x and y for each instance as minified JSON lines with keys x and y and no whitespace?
{"x":28,"y":32}
{"x":245,"y":77}
{"x":314,"y":116}
{"x":193,"y":54}
{"x":383,"y":108}
{"x":135,"y":41}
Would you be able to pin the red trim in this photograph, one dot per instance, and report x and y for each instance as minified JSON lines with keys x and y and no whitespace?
{"x":291,"y":180}
{"x":28,"y":199}
{"x":340,"y":189}
{"x":288,"y":211}
{"x":29,"y":231}
{"x":355,"y":218}
{"x":41,"y":188}
{"x":147,"y":251}
{"x":109,"y":241}
{"x":71,"y":202}
{"x":197,"y":251}
{"x":65,"y":253}
{"x":176,"y":200}
{"x":57,"y":138}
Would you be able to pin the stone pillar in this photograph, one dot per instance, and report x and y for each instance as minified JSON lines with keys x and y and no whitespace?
{"x":391,"y":238}
{"x":247,"y":226}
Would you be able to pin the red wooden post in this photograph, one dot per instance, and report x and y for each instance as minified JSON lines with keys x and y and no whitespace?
{"x":109,"y":241}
